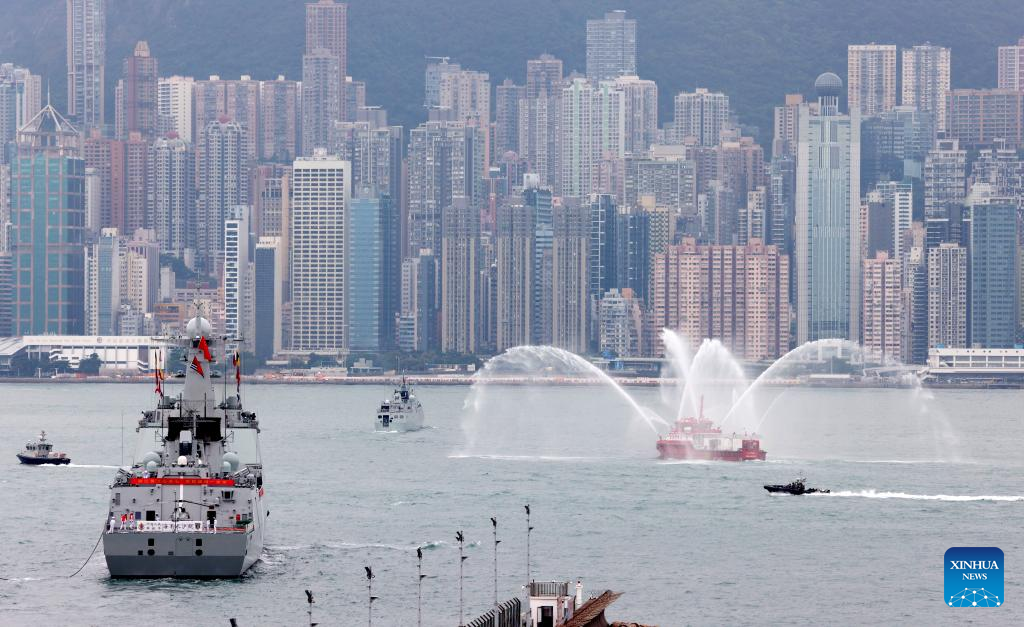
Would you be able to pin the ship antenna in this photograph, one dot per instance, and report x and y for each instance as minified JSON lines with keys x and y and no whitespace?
{"x":529,"y":576}
{"x":310,"y":601}
{"x":419,"y":587}
{"x":494,"y":524}
{"x":462,"y":558}
{"x":529,"y":529}
{"x":369,"y":590}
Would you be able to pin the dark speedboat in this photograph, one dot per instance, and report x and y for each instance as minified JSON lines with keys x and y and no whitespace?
{"x":41,"y":452}
{"x":797,"y":487}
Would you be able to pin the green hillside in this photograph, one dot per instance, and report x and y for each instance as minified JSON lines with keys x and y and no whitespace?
{"x":753,"y":50}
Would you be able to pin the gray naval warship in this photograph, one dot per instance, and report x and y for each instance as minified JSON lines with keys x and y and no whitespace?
{"x":192,"y":504}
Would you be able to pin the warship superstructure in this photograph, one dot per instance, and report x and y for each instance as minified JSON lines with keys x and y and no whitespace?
{"x":192,"y":504}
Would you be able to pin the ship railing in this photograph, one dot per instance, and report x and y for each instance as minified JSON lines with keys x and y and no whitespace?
{"x":549,"y":588}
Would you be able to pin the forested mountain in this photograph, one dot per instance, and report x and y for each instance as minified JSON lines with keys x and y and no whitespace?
{"x":754,"y":50}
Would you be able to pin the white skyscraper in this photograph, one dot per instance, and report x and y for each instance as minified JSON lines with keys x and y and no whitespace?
{"x":237,"y":282}
{"x":871,"y":78}
{"x":593,"y":126}
{"x":86,"y":55}
{"x":318,"y":233}
{"x":827,"y":209}
{"x":174,"y":106}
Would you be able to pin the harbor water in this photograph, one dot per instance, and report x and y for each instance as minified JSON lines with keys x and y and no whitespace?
{"x":912,"y":474}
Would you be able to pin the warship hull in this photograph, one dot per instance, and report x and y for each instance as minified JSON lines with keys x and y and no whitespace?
{"x":189,"y":555}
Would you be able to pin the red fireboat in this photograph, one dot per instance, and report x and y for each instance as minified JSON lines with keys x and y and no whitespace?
{"x":698,"y":438}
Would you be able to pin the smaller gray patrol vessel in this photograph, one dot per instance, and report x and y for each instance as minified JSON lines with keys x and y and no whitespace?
{"x":192,"y":504}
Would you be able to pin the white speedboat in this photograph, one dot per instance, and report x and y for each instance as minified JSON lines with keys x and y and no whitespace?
{"x":401,"y":412}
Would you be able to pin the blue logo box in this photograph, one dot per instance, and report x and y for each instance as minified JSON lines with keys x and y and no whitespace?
{"x":974,"y":576}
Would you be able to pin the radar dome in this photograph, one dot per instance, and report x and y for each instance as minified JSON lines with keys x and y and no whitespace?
{"x":151,"y":456}
{"x":182,"y":460}
{"x":232,"y":458}
{"x":199,"y":326}
{"x":828,"y":84}
{"x":151,"y":466}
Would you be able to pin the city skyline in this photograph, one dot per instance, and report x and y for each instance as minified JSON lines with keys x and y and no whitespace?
{"x":525,"y":205}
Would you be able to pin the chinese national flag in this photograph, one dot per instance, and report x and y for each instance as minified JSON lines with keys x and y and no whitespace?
{"x":203,"y":346}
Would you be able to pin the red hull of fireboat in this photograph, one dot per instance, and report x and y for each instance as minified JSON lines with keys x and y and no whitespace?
{"x":673,"y":449}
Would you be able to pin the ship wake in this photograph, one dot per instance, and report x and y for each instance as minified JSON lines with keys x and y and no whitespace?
{"x":872,"y":494}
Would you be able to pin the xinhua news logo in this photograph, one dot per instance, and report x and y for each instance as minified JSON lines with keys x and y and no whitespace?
{"x":974,"y":576}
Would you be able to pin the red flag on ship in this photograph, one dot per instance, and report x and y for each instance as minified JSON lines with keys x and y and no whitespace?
{"x":237,"y":361}
{"x":203,"y":346}
{"x":159,"y":376}
{"x":197,"y":367}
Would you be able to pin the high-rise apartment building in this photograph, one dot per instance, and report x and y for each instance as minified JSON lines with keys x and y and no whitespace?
{"x":611,"y":47}
{"x":945,"y":187}
{"x":515,"y":257}
{"x":174,"y":96}
{"x":375,"y":151}
{"x":327,"y":29}
{"x":914,"y":264}
{"x":507,"y":98}
{"x":926,"y":80}
{"x":279,"y":120}
{"x":593,"y":126}
{"x":947,"y":296}
{"x":136,"y":108}
{"x":621,"y":322}
{"x":700,"y":115}
{"x":269,"y":193}
{"x":570,"y":251}
{"x":737,"y":294}
{"x":827,"y":208}
{"x":321,"y":193}
{"x":170,"y":200}
{"x":670,"y":181}
{"x":322,"y":103}
{"x":48,"y":187}
{"x":1010,"y":62}
{"x":86,"y":60}
{"x":460,"y":275}
{"x":882,"y":315}
{"x":20,"y":100}
{"x":136,"y":184}
{"x":222,"y":182}
{"x":543,"y":75}
{"x":982,"y":117}
{"x":640,"y":105}
{"x":787,"y":126}
{"x":105,"y":158}
{"x":871,"y":78}
{"x":237,"y":278}
{"x":104,"y":261}
{"x":237,"y":100}
{"x":442,"y":158}
{"x":416,"y":326}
